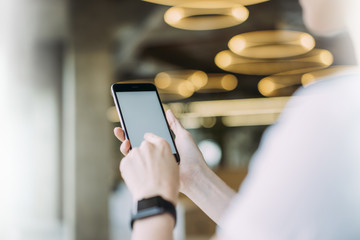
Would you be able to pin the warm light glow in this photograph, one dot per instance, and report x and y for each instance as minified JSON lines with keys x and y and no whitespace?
{"x":307,"y":41}
{"x":250,"y":120}
{"x":190,"y":122}
{"x":174,"y":15}
{"x":279,"y":85}
{"x":206,"y":15}
{"x":168,"y":94}
{"x":237,"y":107}
{"x":208,"y":4}
{"x":208,"y":122}
{"x":314,"y":76}
{"x":162,"y":80}
{"x":239,"y":112}
{"x":326,"y":58}
{"x":266,"y":87}
{"x":218,"y":82}
{"x":240,"y":13}
{"x":237,"y":43}
{"x":271,"y":44}
{"x":199,"y":79}
{"x":229,"y":82}
{"x":166,"y":2}
{"x":250,"y":2}
{"x":186,"y":89}
{"x":307,"y":78}
{"x":223,"y":59}
{"x":315,"y":59}
{"x":178,"y":2}
{"x":182,"y":82}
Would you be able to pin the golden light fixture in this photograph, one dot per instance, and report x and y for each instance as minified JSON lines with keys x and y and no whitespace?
{"x":164,"y":81}
{"x":236,"y":107}
{"x":206,"y":15}
{"x":233,"y":113}
{"x":250,"y":120}
{"x":201,"y":82}
{"x":279,"y":85}
{"x":315,"y":59}
{"x":271,"y":44}
{"x":218,"y":82}
{"x":168,"y":80}
{"x":314,"y":76}
{"x":177,"y":91}
{"x":178,"y":2}
{"x":285,"y":84}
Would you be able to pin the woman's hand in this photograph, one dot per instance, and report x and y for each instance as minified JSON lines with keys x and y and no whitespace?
{"x":197,"y":180}
{"x":191,"y":159}
{"x":151,"y":170}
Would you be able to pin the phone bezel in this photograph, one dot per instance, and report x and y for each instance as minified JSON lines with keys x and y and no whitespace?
{"x":138,"y":87}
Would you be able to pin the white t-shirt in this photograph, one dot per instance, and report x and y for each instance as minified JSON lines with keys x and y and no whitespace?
{"x":304,"y":180}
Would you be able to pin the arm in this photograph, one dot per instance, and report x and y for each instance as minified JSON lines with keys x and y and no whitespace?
{"x":158,"y":227}
{"x":210,"y":193}
{"x":197,"y":180}
{"x":149,"y":171}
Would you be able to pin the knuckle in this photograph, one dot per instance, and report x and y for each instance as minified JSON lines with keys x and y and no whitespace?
{"x":148,"y":145}
{"x":163,"y":143}
{"x":122,"y":166}
{"x":144,"y":145}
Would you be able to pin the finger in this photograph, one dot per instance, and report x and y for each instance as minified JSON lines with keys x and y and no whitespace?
{"x":119,"y":133}
{"x":152,"y":138}
{"x":174,"y":123}
{"x":155,"y":140}
{"x":125,"y":147}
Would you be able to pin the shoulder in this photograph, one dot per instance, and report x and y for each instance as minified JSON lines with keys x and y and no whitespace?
{"x":330,"y":93}
{"x":305,"y":166}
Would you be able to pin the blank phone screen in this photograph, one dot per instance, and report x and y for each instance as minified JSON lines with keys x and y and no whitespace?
{"x":142,"y":113}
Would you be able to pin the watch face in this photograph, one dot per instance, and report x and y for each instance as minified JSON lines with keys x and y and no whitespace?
{"x":149,"y":202}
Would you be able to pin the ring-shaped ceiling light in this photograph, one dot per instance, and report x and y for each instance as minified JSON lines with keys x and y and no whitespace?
{"x":317,"y":75}
{"x":284,"y":84}
{"x":315,"y":59}
{"x":206,"y":15}
{"x":219,"y":82}
{"x":178,"y":2}
{"x":166,"y":80}
{"x":271,"y":44}
{"x":200,"y":81}
{"x":279,"y":85}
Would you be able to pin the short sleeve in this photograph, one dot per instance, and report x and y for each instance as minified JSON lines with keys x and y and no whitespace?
{"x":303,"y":180}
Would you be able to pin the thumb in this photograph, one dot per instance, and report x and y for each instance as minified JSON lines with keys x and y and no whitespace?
{"x":174,"y":123}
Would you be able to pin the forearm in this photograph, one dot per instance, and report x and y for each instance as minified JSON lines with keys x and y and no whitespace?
{"x":210,"y":193}
{"x":159,"y":227}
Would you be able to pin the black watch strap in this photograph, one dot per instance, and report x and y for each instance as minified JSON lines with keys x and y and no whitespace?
{"x":153,"y":206}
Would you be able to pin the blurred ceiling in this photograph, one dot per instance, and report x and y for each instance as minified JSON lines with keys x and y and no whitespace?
{"x":145,"y":45}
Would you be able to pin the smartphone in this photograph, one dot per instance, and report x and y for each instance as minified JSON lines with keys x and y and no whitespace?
{"x":140,"y":111}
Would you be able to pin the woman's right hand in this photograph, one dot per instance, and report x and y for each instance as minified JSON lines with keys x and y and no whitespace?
{"x":191,"y":159}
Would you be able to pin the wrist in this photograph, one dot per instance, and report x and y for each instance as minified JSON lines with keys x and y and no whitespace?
{"x":199,"y":176}
{"x":151,"y":207}
{"x":170,"y":194}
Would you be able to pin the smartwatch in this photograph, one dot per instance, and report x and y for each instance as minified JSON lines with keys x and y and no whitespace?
{"x":153,"y":206}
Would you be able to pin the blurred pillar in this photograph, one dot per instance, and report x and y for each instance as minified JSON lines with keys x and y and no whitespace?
{"x":29,"y":76}
{"x":88,"y":173}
